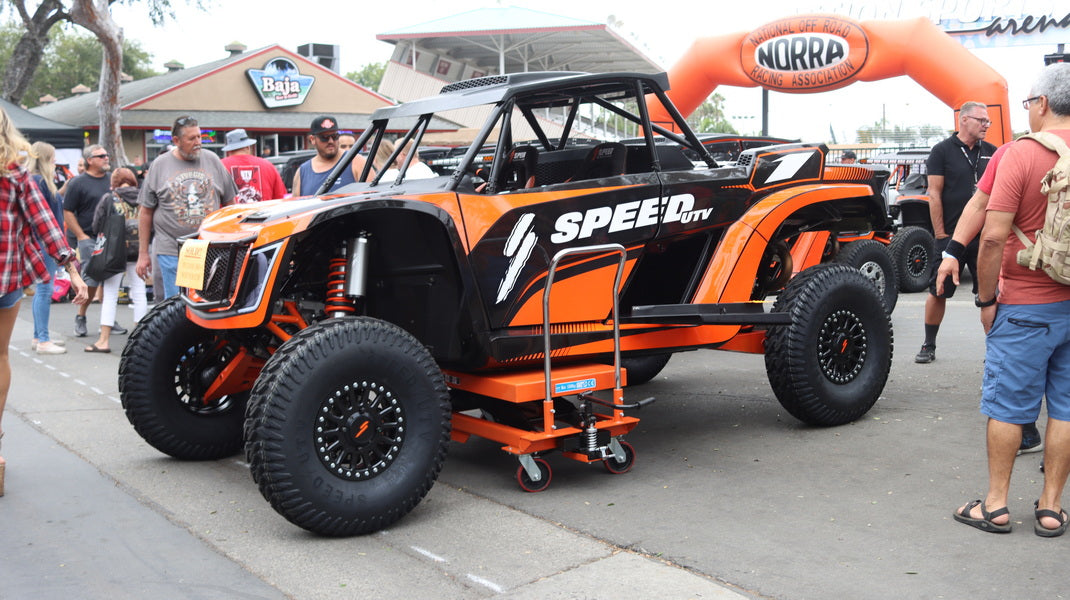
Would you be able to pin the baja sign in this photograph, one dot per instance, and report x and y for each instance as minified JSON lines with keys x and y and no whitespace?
{"x":279,"y":83}
{"x":806,"y":53}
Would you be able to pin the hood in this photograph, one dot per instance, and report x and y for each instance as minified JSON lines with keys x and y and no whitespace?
{"x":127,"y":194}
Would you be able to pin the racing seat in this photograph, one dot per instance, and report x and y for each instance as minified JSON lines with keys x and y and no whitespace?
{"x":519,"y":170}
{"x":607,"y":159}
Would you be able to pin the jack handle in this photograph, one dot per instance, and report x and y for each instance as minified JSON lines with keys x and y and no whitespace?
{"x":635,"y":405}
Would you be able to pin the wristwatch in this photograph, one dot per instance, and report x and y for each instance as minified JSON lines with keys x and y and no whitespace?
{"x":979,"y":304}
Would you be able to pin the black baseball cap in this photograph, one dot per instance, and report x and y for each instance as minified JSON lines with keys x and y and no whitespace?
{"x":323,"y":124}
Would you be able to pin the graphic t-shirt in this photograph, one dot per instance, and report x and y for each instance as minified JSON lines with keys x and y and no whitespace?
{"x":182,"y":193}
{"x":256,"y":178}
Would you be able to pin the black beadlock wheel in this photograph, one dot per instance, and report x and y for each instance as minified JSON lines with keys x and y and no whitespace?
{"x":618,"y":467}
{"x":913,"y":251}
{"x":527,"y":484}
{"x":829,"y":366}
{"x":348,"y":426}
{"x":165,"y":368}
{"x":871,"y":258}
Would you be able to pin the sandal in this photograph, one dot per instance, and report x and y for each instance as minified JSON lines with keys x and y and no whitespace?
{"x":93,"y":348}
{"x":985,"y":522}
{"x":1043,"y":531}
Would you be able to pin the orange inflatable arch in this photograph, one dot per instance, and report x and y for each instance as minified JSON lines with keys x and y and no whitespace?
{"x":818,"y":53}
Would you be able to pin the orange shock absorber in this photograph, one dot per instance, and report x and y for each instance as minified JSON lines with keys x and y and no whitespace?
{"x":338,"y":304}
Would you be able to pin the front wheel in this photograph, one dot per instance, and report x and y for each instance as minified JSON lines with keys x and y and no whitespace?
{"x":829,"y":366}
{"x":348,"y":426}
{"x":166,"y":367}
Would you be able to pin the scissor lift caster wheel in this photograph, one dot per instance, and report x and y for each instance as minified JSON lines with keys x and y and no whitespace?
{"x":527,"y":483}
{"x":621,"y":466}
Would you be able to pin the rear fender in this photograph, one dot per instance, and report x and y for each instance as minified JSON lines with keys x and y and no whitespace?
{"x":731,"y":272}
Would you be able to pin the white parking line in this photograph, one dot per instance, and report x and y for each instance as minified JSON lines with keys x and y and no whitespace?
{"x":486,"y":583}
{"x":428,"y":554}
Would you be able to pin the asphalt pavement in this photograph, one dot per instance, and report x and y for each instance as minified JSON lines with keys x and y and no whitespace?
{"x":730,"y":497}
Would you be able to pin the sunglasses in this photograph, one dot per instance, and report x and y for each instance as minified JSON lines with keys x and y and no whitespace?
{"x":327,"y":137}
{"x":98,"y":156}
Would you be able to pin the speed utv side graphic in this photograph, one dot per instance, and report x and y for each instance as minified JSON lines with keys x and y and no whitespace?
{"x":518,"y":247}
{"x":577,"y":225}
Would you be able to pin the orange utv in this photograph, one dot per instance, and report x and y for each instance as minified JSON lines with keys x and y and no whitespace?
{"x":343,"y":340}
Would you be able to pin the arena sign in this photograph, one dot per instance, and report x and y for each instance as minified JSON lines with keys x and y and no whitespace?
{"x":279,"y":83}
{"x":809,"y":52}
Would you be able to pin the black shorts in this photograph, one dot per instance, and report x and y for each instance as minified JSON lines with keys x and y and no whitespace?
{"x":970,"y":260}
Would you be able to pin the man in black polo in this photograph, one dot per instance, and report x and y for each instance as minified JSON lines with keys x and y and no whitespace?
{"x":82,"y":195}
{"x":953,"y":168}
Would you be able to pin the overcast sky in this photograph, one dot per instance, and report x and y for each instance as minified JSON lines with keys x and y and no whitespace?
{"x":665,"y":29}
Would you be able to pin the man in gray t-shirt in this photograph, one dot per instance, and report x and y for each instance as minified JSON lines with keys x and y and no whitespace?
{"x":180,"y":189}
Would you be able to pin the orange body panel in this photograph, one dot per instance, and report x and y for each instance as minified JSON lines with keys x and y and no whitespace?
{"x":748,"y":237}
{"x":572,"y":300}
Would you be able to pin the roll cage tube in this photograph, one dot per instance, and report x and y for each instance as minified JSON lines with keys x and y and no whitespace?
{"x":416,"y":132}
{"x":477,"y":143}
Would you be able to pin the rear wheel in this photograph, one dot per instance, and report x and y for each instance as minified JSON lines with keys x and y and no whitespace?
{"x":872,"y":259}
{"x":348,"y":426}
{"x":165,"y":370}
{"x":829,"y":366}
{"x":642,"y":369}
{"x":913,"y":252}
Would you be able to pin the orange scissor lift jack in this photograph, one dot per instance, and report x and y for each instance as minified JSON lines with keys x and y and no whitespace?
{"x":598,"y":436}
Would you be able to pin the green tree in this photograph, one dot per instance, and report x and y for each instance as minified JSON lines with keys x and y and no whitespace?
{"x":37,"y":21}
{"x":370,"y":75}
{"x":71,"y":58}
{"x":709,"y":117}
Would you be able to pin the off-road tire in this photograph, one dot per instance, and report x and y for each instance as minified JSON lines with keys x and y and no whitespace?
{"x":873,"y":260}
{"x":829,"y":366}
{"x":162,"y":376}
{"x":348,"y":426}
{"x":913,"y":251}
{"x":642,"y":369}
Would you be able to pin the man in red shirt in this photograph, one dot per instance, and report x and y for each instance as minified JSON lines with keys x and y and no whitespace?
{"x":1026,"y":316}
{"x":256,"y":178}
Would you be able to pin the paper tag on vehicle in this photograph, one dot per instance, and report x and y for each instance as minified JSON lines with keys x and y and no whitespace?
{"x":191,"y":259}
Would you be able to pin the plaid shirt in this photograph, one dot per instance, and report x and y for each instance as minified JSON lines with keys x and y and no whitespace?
{"x":21,"y":207}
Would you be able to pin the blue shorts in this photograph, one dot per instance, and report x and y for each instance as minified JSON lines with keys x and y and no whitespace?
{"x":9,"y":299}
{"x":1027,"y":358}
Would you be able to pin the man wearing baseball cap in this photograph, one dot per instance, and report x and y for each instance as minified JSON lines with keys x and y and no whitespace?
{"x":256,"y":178}
{"x":323,"y":137}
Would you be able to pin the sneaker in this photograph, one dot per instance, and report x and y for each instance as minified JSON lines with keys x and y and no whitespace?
{"x":49,"y":348}
{"x":60,"y":343}
{"x":927,"y":354}
{"x":79,"y":326}
{"x":1031,"y":440}
{"x":118,"y":329}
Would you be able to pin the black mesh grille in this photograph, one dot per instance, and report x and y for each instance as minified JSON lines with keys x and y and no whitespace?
{"x":222,"y":268}
{"x":745,"y":160}
{"x":477,"y":82}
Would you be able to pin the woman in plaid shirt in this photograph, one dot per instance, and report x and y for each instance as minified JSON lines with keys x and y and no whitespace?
{"x":22,"y":207}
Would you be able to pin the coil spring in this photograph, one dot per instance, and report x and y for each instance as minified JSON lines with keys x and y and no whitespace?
{"x":337,"y":303}
{"x":590,"y":435}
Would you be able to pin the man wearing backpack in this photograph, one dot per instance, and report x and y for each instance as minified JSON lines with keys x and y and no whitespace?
{"x":1026,"y":316}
